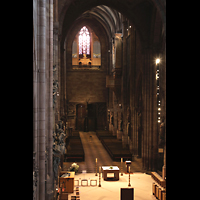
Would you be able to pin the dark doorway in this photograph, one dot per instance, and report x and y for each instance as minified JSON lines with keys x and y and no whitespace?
{"x":92,"y":117}
{"x":86,"y":117}
{"x":80,"y":116}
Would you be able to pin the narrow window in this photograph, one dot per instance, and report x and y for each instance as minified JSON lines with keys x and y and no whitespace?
{"x":84,"y":42}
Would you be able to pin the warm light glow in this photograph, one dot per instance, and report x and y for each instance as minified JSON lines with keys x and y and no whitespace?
{"x":84,"y":41}
{"x":158,"y":121}
{"x":157,"y":61}
{"x":159,"y":108}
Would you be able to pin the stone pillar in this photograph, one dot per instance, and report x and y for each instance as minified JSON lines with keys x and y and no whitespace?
{"x":149,"y":115}
{"x":58,"y":74}
{"x":115,"y":114}
{"x":124,"y":88}
{"x":119,"y":130}
{"x":154,"y":118}
{"x":35,"y":110}
{"x":50,"y":117}
{"x":62,"y":77}
{"x":132,"y":142}
{"x":144,"y":114}
{"x":118,"y":47}
{"x":41,"y":89}
{"x":163,"y":101}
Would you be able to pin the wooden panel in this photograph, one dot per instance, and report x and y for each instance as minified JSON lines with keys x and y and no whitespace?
{"x":64,"y":196}
{"x":158,"y":179}
{"x":127,"y":193}
{"x":68,"y":183}
{"x":81,"y":111}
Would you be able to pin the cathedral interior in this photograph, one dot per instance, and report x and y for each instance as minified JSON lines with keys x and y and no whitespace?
{"x":99,"y":91}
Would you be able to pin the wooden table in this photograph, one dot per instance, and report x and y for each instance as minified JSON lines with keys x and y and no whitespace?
{"x":114,"y":170}
{"x":67,"y":182}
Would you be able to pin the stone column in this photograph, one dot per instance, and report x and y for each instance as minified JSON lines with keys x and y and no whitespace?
{"x":132,"y":142}
{"x":120,"y":121}
{"x":35,"y":113}
{"x":124,"y":88}
{"x":61,"y":80}
{"x":150,"y":134}
{"x":109,"y":125}
{"x":58,"y":73}
{"x":50,"y":117}
{"x":41,"y":97}
{"x":115,"y":114}
{"x":144,"y":114}
{"x":155,"y":117}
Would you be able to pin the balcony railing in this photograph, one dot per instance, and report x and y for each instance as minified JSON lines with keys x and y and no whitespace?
{"x":86,"y":67}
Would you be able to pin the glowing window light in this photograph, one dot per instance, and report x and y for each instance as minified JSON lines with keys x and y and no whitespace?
{"x":84,"y":41}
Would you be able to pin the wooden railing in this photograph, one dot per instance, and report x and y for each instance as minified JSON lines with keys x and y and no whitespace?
{"x":158,"y":179}
{"x":159,"y":186}
{"x":86,"y":67}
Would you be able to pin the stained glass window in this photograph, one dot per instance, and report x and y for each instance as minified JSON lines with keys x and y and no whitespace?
{"x":84,"y":41}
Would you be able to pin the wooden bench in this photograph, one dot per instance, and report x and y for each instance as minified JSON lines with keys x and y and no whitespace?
{"x":75,"y":133}
{"x":101,"y":133}
{"x":113,"y":146}
{"x":75,"y":151}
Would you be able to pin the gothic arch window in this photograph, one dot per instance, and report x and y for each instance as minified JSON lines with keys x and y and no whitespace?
{"x":84,"y":42}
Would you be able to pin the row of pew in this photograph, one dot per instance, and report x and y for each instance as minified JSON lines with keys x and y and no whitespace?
{"x":75,"y":151}
{"x":113,"y":146}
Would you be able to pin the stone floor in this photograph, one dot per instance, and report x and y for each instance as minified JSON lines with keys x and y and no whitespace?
{"x":109,"y":190}
{"x":94,"y":149}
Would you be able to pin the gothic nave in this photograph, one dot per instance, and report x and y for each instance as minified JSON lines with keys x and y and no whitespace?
{"x":99,"y":70}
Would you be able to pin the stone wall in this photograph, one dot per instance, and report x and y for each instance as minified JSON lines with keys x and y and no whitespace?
{"x":84,"y":85}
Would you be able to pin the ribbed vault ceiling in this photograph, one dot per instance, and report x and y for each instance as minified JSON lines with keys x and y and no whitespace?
{"x":108,"y":17}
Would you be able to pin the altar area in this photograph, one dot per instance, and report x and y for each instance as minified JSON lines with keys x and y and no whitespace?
{"x":114,"y":170}
{"x":110,"y":190}
{"x":88,"y":183}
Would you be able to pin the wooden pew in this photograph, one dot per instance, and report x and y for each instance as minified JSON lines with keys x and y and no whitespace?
{"x":75,"y":151}
{"x":113,"y":146}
